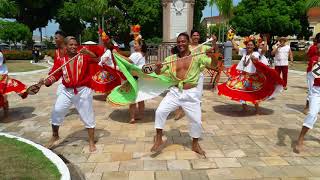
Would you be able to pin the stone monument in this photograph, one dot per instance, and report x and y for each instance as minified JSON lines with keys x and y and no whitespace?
{"x":177,"y":18}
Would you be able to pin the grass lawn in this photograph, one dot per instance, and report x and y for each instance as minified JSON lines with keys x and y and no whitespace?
{"x":22,"y":66}
{"x":23,"y":161}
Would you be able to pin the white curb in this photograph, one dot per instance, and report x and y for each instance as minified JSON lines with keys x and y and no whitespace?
{"x":55,"y":159}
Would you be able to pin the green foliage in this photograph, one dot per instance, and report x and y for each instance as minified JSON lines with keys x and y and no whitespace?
{"x":17,"y":55}
{"x":312,"y":3}
{"x":49,"y":44}
{"x":147,"y":13}
{"x":69,"y":19}
{"x":273,"y":17}
{"x":49,"y":52}
{"x":154,"y":40}
{"x":13,"y":31}
{"x":34,"y":14}
{"x":199,"y":6}
{"x":90,"y":34}
{"x":299,"y":56}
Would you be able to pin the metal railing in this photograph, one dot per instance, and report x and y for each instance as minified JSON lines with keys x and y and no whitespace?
{"x":163,"y":50}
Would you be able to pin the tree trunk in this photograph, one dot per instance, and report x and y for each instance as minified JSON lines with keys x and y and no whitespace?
{"x":40,"y":30}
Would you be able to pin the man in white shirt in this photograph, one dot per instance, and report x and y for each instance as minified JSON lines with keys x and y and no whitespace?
{"x":281,"y":54}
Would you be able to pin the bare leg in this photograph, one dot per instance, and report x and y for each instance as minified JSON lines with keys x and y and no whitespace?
{"x":132,"y":110}
{"x":306,"y":109}
{"x":299,"y":145}
{"x":141,"y":107}
{"x":55,"y":137}
{"x":179,"y":113}
{"x":256,"y":106}
{"x":196,"y":147}
{"x":157,"y":142}
{"x":6,"y":107}
{"x":92,"y":146}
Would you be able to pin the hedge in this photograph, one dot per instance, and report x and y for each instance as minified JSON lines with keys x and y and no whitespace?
{"x":19,"y":55}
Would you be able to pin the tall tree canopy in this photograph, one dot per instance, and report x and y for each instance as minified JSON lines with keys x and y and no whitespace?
{"x":273,"y":17}
{"x":14,"y":32}
{"x":33,"y":13}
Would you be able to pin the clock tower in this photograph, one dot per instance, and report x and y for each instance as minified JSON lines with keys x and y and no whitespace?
{"x":177,"y":18}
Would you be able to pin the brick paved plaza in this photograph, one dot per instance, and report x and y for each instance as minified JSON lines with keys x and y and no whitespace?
{"x":238,"y":146}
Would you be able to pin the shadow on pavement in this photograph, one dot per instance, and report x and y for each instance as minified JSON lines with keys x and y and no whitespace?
{"x":293,"y":134}
{"x":82,"y":135}
{"x":297,"y":107}
{"x":18,"y":114}
{"x":235,"y":110}
{"x":122,"y":115}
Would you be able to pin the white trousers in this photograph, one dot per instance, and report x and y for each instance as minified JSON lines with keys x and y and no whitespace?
{"x":314,"y":107}
{"x":310,"y":81}
{"x":200,"y":85}
{"x":82,"y":102}
{"x":190,"y":103}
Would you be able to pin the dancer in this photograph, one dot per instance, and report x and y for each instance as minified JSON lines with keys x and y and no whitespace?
{"x":75,"y":90}
{"x":313,"y":51}
{"x":105,"y":75}
{"x":8,"y":85}
{"x":186,"y":74}
{"x":250,"y":80}
{"x":314,"y":99}
{"x":194,"y":47}
{"x":281,"y":54}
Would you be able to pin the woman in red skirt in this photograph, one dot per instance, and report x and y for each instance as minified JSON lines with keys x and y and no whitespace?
{"x":250,"y":81}
{"x":8,"y":85}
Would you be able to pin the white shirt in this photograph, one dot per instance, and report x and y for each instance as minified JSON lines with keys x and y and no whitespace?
{"x":137,"y":59}
{"x":250,"y":68}
{"x":263,"y":58}
{"x":3,"y":67}
{"x":282,"y":55}
{"x":106,"y":59}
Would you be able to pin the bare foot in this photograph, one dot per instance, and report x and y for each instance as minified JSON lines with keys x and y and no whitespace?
{"x":157,"y":145}
{"x":196,"y":148}
{"x":132,"y":121}
{"x":298,"y":148}
{"x":53,"y":142}
{"x":92,"y":147}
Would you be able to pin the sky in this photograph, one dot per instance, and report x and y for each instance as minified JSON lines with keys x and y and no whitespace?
{"x":53,"y":26}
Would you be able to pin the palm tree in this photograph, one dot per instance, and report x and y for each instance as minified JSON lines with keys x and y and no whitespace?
{"x":225,"y":11}
{"x":312,"y":3}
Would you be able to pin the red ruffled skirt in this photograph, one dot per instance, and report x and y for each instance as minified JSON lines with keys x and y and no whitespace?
{"x":105,"y":78}
{"x":253,"y":88}
{"x":9,"y":85}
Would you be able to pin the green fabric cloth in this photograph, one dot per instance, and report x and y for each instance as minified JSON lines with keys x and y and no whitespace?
{"x":127,"y":92}
{"x":198,"y":64}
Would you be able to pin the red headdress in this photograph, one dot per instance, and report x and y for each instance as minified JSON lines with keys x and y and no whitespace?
{"x":104,"y":36}
{"x":250,"y":38}
{"x":135,"y":30}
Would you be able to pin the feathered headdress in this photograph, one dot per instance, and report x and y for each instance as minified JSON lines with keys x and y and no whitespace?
{"x":135,"y":30}
{"x":250,"y":38}
{"x":104,"y":37}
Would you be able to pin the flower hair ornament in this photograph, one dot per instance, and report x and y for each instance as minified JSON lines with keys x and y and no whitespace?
{"x":135,"y":30}
{"x":250,"y":38}
{"x":230,"y":34}
{"x":104,"y":37}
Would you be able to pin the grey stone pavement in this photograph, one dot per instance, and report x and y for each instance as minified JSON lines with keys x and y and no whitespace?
{"x":238,"y":146}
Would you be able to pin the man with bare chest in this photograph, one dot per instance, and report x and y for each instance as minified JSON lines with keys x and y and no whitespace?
{"x":185,"y":72}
